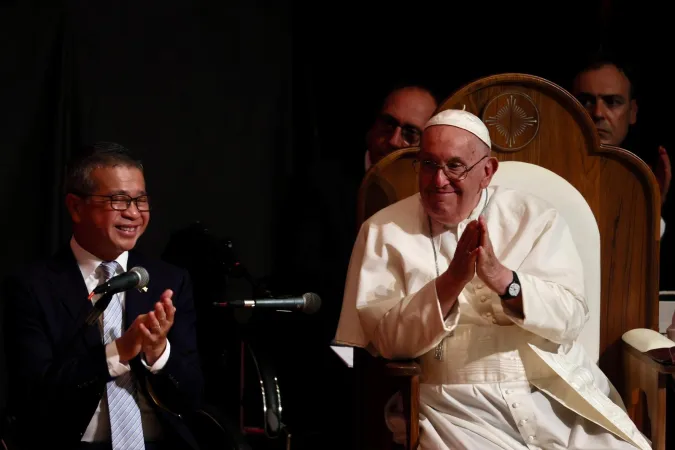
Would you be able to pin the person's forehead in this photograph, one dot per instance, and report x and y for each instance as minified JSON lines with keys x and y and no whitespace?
{"x":118,"y":178}
{"x":606,"y":80}
{"x":445,"y":142}
{"x":409,"y":106}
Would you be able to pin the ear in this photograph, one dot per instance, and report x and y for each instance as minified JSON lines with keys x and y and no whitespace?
{"x":74,"y":205}
{"x":633,"y":111}
{"x":491,"y":167}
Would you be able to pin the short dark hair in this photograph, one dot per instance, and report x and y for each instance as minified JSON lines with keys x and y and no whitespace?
{"x":602,"y":58}
{"x":401,"y":85}
{"x":90,"y":157}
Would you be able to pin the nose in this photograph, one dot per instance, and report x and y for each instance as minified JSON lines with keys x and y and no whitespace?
{"x":396,"y":140}
{"x":440,"y":180}
{"x":598,"y":111}
{"x":131,"y":212}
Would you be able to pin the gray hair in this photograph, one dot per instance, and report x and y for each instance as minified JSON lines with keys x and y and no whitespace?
{"x":99,"y":155}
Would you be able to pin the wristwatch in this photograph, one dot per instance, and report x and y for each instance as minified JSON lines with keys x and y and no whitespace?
{"x":513,"y":288}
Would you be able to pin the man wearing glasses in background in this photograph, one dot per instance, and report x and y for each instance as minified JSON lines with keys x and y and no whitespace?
{"x":77,"y":386}
{"x":399,"y":123}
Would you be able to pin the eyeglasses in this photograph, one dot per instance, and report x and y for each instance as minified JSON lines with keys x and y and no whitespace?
{"x":454,"y":171}
{"x":123,"y":202}
{"x":411,"y":135}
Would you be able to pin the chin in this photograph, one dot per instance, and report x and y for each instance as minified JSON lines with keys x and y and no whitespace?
{"x":444,"y":216}
{"x":125,"y":245}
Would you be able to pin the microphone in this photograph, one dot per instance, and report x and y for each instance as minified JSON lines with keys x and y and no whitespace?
{"x":309,"y":303}
{"x":137,"y":277}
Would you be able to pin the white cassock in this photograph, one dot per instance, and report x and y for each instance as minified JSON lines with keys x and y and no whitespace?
{"x":496,"y":381}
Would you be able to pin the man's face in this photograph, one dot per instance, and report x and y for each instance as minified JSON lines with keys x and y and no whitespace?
{"x":605,"y":93}
{"x":448,"y":200}
{"x":101,"y":229}
{"x":400,"y":122}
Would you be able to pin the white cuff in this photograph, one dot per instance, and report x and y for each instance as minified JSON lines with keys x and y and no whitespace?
{"x":663,"y":226}
{"x":161,"y":361}
{"x":112,"y":356}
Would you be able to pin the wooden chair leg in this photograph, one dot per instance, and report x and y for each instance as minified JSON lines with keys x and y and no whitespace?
{"x":642,"y":377}
{"x":656,"y":405}
{"x":411,"y":402}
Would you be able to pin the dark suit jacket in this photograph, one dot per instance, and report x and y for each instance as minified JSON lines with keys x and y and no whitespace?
{"x":57,"y":366}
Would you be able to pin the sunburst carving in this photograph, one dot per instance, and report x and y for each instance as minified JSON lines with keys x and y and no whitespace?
{"x":516,"y":122}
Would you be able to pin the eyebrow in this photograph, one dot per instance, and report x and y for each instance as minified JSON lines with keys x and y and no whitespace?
{"x":123,"y":192}
{"x":454,"y":159}
{"x":611,"y":95}
{"x":402,"y":124}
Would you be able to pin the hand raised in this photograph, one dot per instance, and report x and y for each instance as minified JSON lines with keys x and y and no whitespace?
{"x":488,"y":268}
{"x":130,"y":343}
{"x":463,"y":265}
{"x":663,"y":173}
{"x":156,"y":327}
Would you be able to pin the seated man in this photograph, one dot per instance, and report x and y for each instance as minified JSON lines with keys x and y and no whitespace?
{"x":77,"y":386}
{"x":485,"y":286}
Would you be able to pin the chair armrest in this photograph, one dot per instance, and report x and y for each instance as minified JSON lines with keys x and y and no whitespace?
{"x":651,"y":348}
{"x":402,"y":368}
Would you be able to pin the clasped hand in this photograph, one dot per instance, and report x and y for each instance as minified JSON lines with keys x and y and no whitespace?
{"x":475,"y":256}
{"x":148,"y":332}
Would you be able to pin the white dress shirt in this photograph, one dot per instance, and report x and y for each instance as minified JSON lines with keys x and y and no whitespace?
{"x":99,"y":427}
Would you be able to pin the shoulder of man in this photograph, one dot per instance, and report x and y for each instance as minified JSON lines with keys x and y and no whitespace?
{"x":156,"y":265}
{"x":514,"y":205}
{"x":403,"y":214}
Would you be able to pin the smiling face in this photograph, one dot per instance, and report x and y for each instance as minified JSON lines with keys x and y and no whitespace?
{"x":448,"y":200}
{"x":101,"y":230}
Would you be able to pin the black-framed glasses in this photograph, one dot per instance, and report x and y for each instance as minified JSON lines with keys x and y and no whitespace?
{"x":122,"y":202}
{"x":454,"y":171}
{"x":411,"y":135}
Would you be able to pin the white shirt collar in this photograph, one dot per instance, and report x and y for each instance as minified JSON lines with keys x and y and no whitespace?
{"x":88,"y":263}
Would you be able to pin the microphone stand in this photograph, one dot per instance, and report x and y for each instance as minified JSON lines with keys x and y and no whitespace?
{"x":87,"y":318}
{"x":97,"y":310}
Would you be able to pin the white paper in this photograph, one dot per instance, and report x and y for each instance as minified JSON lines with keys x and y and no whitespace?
{"x":666,"y":311}
{"x":346,"y":354}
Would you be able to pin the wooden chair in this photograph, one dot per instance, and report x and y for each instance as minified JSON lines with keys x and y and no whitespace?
{"x":535,"y":121}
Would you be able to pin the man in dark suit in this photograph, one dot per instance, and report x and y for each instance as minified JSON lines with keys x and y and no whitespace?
{"x":119,"y":383}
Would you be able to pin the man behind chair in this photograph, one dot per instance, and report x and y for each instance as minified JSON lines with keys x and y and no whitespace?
{"x":606,"y":88}
{"x":399,"y":122}
{"x":485,"y":286}
{"x":78,"y":386}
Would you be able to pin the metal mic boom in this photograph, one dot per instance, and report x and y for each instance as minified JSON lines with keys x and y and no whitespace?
{"x":309,"y":303}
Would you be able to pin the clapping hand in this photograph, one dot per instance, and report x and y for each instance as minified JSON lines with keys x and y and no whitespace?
{"x":156,"y":326}
{"x":493,"y":273}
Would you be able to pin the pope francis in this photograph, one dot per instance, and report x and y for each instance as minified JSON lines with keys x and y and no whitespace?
{"x":485,"y":287}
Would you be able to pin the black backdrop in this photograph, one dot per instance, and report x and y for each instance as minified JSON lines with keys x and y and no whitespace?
{"x":235,"y":105}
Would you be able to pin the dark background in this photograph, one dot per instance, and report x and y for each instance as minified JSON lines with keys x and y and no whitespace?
{"x":238,"y":107}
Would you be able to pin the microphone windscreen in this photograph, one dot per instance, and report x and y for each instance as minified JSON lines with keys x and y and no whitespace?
{"x":312,"y":302}
{"x":143,"y":275}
